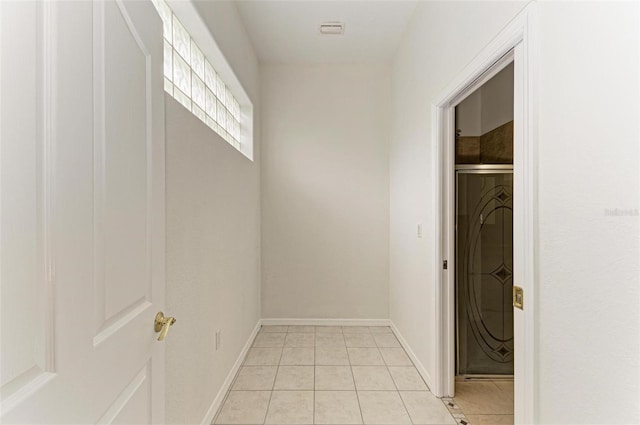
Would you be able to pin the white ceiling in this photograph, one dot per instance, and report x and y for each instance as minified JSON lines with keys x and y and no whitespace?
{"x":287,"y":31}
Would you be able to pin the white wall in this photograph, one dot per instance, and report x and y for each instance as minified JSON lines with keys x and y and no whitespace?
{"x":588,"y":321}
{"x":489,"y":107}
{"x":440,"y":40}
{"x":497,"y":100}
{"x":469,"y":115}
{"x":213,"y":238}
{"x":325,"y":202}
{"x":588,"y":136}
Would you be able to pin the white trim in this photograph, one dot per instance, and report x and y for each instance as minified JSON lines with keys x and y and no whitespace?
{"x":518,"y":37}
{"x":226,"y":386}
{"x":43,"y":371}
{"x":326,"y":322}
{"x":46,"y":38}
{"x":24,"y":386}
{"x":416,"y":361}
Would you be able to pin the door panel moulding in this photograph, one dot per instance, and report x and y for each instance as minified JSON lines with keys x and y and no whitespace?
{"x":43,"y":25}
{"x":515,"y":43}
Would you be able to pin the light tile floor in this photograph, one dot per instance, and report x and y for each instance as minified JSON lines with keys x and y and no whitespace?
{"x":332,"y":375}
{"x":484,"y":402}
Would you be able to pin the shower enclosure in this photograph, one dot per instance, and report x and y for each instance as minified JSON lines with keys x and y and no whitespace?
{"x":484,"y":269}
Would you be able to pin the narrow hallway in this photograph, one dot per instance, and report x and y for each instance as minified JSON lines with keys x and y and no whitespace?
{"x":270,"y":212}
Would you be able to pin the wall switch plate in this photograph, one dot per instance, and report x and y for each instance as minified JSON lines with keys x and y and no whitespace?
{"x":420,"y":230}
{"x":218,"y":340}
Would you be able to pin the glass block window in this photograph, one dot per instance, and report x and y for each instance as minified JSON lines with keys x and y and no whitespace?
{"x":192,"y":81}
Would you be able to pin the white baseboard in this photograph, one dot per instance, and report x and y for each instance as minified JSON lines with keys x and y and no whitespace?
{"x":217,"y":402}
{"x":417,"y":363}
{"x":326,"y":322}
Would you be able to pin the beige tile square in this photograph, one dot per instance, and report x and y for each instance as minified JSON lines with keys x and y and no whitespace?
{"x":255,"y":378}
{"x":274,"y":328}
{"x":244,"y":407}
{"x":332,"y":356}
{"x":294,"y":378}
{"x":334,"y":378}
{"x":369,"y":378}
{"x":329,"y":340}
{"x":337,"y":407}
{"x":395,"y":357}
{"x":365,"y":356}
{"x":269,"y":339}
{"x":359,"y":340}
{"x":329,"y":329}
{"x":297,"y":356}
{"x":263,"y":357}
{"x":382,"y":407}
{"x":407,"y":378}
{"x":380,"y":330}
{"x":300,"y":340}
{"x":426,"y":409}
{"x":302,"y":329}
{"x":386,"y":340}
{"x":490,"y":419}
{"x":291,"y":407}
{"x":482,"y":398}
{"x":506,"y":387}
{"x":355,"y":330}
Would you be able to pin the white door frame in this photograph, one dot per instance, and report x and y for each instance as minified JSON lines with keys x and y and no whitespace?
{"x":515,"y":43}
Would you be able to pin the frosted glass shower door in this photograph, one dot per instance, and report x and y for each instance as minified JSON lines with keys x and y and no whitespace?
{"x":484,"y":272}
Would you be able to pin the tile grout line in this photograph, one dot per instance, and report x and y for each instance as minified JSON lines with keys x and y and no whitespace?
{"x":266,"y":413}
{"x":314,"y":378}
{"x":313,"y":417}
{"x":396,"y":386}
{"x":356,"y":390}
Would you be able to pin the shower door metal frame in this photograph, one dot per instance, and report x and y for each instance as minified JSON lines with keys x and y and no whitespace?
{"x":471,"y":169}
{"x":515,"y":43}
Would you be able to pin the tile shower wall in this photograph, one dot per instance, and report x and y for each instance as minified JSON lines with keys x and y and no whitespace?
{"x":493,"y":147}
{"x":484,"y":122}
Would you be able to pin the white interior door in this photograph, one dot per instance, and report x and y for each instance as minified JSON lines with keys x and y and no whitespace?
{"x":82,"y":212}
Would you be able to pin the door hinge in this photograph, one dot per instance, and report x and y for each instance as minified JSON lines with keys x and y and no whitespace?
{"x":518,"y":297}
{"x":445,"y":265}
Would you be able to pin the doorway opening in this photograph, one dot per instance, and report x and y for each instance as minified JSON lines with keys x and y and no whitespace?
{"x":513,"y":46}
{"x":484,"y":229}
{"x":483,"y":245}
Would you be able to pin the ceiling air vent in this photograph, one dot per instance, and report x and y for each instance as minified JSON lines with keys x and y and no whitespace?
{"x":332,"y":28}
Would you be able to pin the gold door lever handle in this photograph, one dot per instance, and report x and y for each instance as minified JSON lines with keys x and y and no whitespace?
{"x":162,"y":325}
